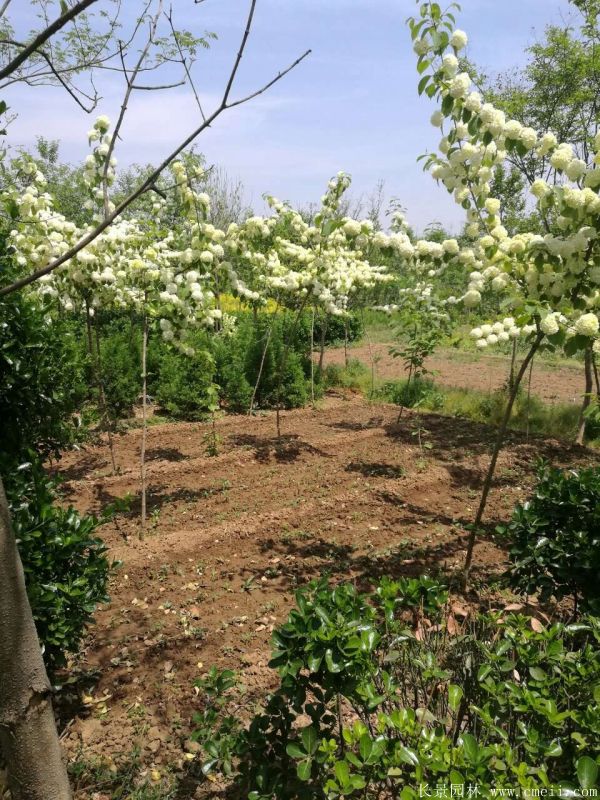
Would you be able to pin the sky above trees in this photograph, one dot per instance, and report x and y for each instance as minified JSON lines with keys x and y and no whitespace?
{"x":353,"y":105}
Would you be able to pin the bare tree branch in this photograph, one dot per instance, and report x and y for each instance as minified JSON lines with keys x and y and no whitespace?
{"x":44,"y":36}
{"x":147,"y":184}
{"x":169,"y":17}
{"x":63,"y":81}
{"x":156,"y":88}
{"x":4,"y":7}
{"x":130,"y":80}
{"x":240,"y":52}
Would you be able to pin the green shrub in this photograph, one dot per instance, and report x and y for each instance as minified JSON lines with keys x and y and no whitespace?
{"x":354,"y":375}
{"x":385,"y":695}
{"x":555,"y":537}
{"x":185,"y":387}
{"x":66,"y":568}
{"x":335,"y":328}
{"x":263,"y":340}
{"x":42,"y":379}
{"x":418,"y":392}
{"x":121,"y":368}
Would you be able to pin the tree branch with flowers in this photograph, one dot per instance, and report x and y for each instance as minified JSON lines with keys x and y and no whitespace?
{"x":549,"y":284}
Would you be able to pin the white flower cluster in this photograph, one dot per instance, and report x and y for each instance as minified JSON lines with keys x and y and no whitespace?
{"x":551,"y":283}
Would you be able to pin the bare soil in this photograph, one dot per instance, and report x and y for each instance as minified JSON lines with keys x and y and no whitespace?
{"x":473,"y":371}
{"x":346,"y":492}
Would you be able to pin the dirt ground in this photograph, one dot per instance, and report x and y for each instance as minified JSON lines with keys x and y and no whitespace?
{"x":347,"y":492}
{"x":472,"y":370}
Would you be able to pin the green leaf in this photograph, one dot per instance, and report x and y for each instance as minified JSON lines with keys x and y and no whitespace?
{"x":470,"y":747}
{"x":294,"y":750}
{"x":304,"y":769}
{"x":406,"y":755}
{"x":537,"y":673}
{"x":309,"y":739}
{"x":455,"y":694}
{"x":423,"y":83}
{"x":587,"y":772}
{"x":333,"y":665}
{"x":447,"y":105}
{"x":342,"y":773}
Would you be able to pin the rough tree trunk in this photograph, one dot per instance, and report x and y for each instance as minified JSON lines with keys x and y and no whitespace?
{"x":28,"y":737}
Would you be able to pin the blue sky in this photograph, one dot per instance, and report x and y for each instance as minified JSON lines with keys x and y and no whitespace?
{"x":353,"y":105}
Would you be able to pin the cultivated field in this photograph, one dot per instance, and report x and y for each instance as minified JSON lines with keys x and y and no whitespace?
{"x":346,"y":492}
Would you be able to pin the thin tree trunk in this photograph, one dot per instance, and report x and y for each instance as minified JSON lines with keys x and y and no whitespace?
{"x":106,"y":421}
{"x":312,"y":363}
{"x":88,"y":325}
{"x":410,"y":374}
{"x":587,"y":397}
{"x":322,"y":348}
{"x":28,"y":738}
{"x":513,"y":362}
{"x":596,"y":376}
{"x":144,"y":419}
{"x":260,"y":369}
{"x":529,"y":399}
{"x":345,"y":341}
{"x":283,"y":364}
{"x":372,"y":360}
{"x":496,"y":452}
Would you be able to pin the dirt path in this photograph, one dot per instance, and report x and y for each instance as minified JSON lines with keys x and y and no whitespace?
{"x":473,"y":371}
{"x":347,"y":492}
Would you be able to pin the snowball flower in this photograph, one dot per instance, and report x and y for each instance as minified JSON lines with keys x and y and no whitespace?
{"x":562,"y":157}
{"x":576,"y":169}
{"x":549,"y":325}
{"x":587,"y":325}
{"x":450,"y":63}
{"x":102,"y":124}
{"x":481,"y":343}
{"x":459,"y":39}
{"x":459,"y":87}
{"x":539,"y":188}
{"x":472,"y":298}
{"x":437,"y":119}
{"x":492,"y":206}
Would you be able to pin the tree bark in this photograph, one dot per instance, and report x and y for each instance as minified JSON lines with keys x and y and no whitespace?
{"x":28,"y":737}
{"x":487,"y":485}
{"x":144,"y":418}
{"x":587,"y":397}
{"x":325,"y":324}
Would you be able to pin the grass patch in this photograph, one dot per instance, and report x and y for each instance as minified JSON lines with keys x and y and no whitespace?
{"x":355,"y":375}
{"x":559,"y":420}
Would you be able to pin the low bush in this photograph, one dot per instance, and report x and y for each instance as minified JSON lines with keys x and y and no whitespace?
{"x":184,"y":386}
{"x":555,"y":537}
{"x":353,"y":375}
{"x":42,"y":379}
{"x":391,"y":695}
{"x":121,"y":369}
{"x":417,"y":392}
{"x":65,"y":564}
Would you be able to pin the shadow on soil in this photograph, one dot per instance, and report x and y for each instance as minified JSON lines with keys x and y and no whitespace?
{"x":282,"y":450}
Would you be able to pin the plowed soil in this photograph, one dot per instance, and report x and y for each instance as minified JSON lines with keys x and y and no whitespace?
{"x":347,"y":492}
{"x":485,"y":373}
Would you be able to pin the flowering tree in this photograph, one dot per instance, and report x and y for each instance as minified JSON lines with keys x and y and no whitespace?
{"x":548,"y":283}
{"x":28,"y":737}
